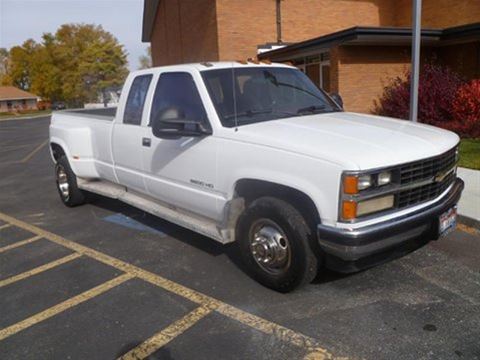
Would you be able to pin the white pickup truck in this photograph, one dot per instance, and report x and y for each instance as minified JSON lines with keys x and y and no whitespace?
{"x":255,"y":153}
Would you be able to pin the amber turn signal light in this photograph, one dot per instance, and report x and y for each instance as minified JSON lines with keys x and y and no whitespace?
{"x":350,"y":184}
{"x":349,"y":210}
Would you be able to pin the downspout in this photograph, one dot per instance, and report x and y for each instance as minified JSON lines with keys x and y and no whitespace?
{"x":279,"y":22}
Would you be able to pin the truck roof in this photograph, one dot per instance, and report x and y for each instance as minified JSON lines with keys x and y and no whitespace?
{"x":212,"y":65}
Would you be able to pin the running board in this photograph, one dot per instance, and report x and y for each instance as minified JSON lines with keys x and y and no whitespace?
{"x":185,"y":219}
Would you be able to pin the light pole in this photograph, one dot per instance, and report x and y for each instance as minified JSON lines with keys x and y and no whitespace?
{"x":415,"y":73}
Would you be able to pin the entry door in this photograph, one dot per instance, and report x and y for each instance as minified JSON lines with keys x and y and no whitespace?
{"x":182,"y":172}
{"x":128,"y":136}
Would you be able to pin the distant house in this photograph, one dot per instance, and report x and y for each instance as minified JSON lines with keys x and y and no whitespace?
{"x":14,"y":99}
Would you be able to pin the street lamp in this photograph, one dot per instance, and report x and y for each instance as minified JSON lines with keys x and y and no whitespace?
{"x":415,"y":73}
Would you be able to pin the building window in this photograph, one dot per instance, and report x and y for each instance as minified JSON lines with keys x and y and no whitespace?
{"x":317,"y":68}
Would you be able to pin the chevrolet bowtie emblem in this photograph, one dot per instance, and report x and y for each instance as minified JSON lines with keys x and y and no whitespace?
{"x":441,"y":176}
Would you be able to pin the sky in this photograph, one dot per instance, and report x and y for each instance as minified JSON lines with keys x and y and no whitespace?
{"x":24,"y":19}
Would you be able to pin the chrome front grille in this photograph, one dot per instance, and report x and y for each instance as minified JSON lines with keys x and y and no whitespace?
{"x":424,"y":193}
{"x":428,"y":168}
{"x":433,"y":176}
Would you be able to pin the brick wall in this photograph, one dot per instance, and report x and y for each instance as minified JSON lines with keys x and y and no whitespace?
{"x":242,"y":25}
{"x":185,"y":31}
{"x":363,"y":72}
{"x":306,"y":19}
{"x":200,"y":30}
{"x":439,"y":13}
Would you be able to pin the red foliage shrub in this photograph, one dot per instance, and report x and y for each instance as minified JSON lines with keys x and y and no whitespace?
{"x":466,"y":110}
{"x":437,"y":90}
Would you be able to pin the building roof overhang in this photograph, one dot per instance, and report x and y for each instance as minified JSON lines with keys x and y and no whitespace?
{"x":150,"y":8}
{"x":8,"y":93}
{"x":378,"y":36}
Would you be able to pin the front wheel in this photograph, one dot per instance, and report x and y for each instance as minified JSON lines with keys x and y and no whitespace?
{"x":274,"y":242}
{"x":67,"y":187}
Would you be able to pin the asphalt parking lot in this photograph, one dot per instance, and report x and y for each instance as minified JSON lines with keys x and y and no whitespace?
{"x":105,"y":280}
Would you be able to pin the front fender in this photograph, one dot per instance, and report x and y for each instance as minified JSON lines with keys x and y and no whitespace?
{"x":318,"y":179}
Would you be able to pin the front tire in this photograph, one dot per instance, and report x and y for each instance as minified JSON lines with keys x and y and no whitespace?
{"x":274,"y":242}
{"x":67,"y":186}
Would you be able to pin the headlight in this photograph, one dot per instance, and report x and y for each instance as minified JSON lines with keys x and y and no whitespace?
{"x":357,"y":186}
{"x":364,"y":182}
{"x":384,"y":178}
{"x":352,"y":184}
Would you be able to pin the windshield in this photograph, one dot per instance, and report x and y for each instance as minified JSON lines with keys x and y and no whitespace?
{"x":253,"y":94}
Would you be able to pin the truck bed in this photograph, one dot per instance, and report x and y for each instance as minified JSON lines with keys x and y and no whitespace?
{"x":100,"y":113}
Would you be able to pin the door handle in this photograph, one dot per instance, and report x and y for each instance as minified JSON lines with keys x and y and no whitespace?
{"x":146,"y":142}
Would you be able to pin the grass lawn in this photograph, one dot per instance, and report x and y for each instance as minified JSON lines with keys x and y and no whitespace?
{"x":25,"y":114}
{"x":470,"y":154}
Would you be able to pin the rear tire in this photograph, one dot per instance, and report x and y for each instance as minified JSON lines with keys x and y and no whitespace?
{"x":67,"y":186}
{"x":274,"y":242}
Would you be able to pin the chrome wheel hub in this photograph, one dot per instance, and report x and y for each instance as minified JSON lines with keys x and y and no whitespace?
{"x":269,"y":246}
{"x":62,"y":183}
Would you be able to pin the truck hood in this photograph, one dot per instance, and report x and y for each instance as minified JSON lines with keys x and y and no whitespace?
{"x":353,"y":141}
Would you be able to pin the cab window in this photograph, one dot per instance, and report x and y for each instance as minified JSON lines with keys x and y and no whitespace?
{"x":177,"y":90}
{"x":136,"y":100}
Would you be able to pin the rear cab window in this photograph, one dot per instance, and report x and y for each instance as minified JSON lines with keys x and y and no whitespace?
{"x":136,"y":100}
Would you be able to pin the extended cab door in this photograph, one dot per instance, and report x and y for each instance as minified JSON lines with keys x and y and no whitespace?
{"x":181,"y":171}
{"x":128,"y":137}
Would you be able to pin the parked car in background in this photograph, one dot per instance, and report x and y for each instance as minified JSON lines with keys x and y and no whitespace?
{"x":58,"y":105}
{"x":257,"y":154}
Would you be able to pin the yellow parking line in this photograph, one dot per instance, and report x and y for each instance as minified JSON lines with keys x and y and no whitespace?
{"x":65,"y":305}
{"x":4,"y":226}
{"x":268,"y":327}
{"x":39,"y":269}
{"x":34,"y":151}
{"x":19,"y":243}
{"x":160,"y":339}
{"x":253,"y":321}
{"x":468,"y":229}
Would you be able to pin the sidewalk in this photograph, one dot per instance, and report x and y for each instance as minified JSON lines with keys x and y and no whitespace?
{"x":469,"y":205}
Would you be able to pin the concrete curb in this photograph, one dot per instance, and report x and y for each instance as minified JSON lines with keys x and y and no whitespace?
{"x":469,"y":204}
{"x":465,"y":220}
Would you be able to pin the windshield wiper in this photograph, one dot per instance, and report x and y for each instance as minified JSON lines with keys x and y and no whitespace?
{"x":273,"y":79}
{"x":251,"y":113}
{"x":311,"y":109}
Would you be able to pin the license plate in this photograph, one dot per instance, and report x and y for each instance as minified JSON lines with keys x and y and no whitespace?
{"x":447,"y":221}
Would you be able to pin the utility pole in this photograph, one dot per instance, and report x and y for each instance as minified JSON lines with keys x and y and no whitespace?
{"x":415,"y":73}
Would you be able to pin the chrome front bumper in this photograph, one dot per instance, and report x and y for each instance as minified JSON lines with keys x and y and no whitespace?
{"x":355,"y":244}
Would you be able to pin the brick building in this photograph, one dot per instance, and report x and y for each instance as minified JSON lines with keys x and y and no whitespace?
{"x":352,"y":47}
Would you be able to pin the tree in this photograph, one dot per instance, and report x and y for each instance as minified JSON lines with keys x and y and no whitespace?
{"x":75,"y":64}
{"x":466,"y":110}
{"x":145,"y":60}
{"x":22,"y":63}
{"x":437,"y":90}
{"x":4,"y":59}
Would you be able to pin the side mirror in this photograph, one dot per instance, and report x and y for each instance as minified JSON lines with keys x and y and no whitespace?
{"x":337,"y":98}
{"x":172,"y":124}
